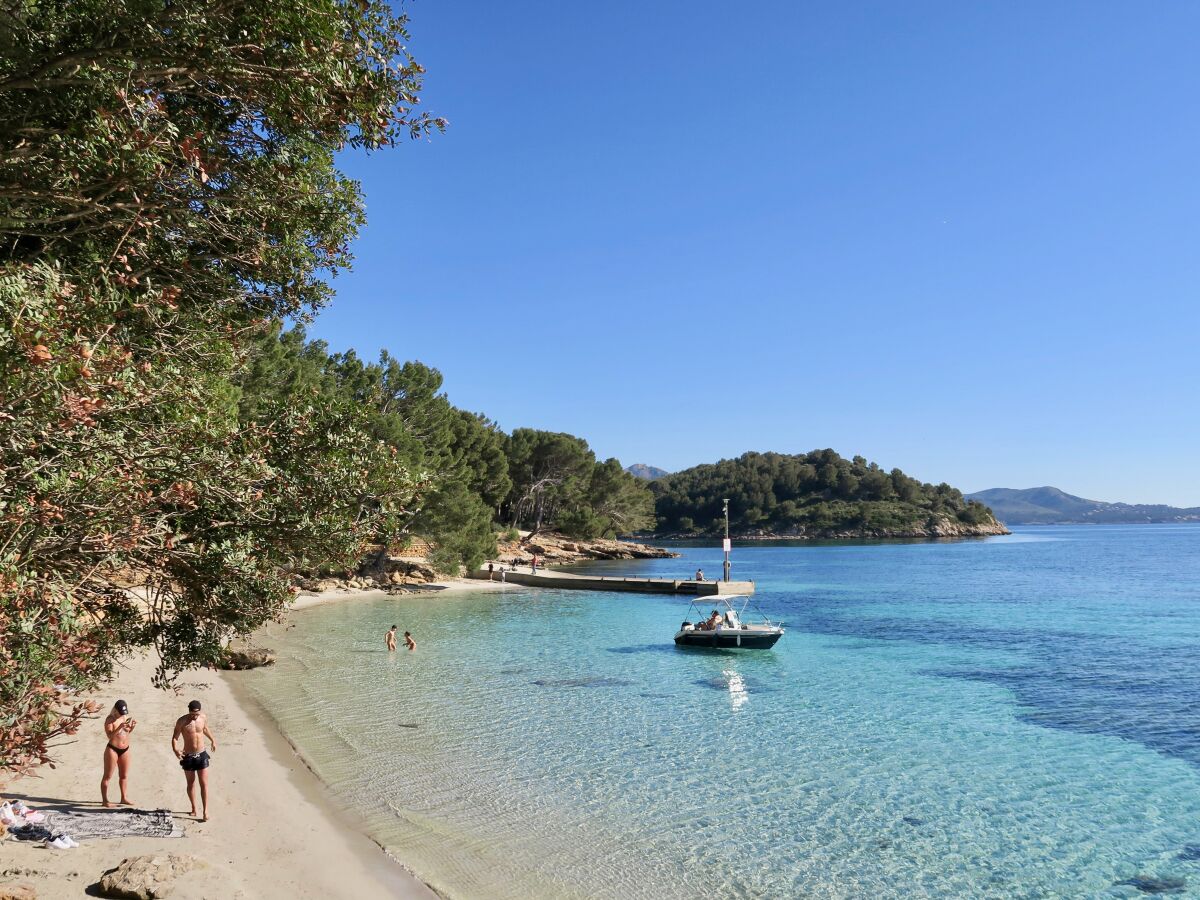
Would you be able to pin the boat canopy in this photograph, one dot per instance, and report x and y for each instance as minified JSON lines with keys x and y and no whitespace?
{"x":727,"y":600}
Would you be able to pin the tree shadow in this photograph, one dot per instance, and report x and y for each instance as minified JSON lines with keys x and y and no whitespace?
{"x":57,"y":804}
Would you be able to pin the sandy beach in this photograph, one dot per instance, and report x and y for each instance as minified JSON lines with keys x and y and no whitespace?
{"x":274,"y":829}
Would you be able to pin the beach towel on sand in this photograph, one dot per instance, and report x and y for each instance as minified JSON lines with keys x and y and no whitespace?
{"x":92,"y":824}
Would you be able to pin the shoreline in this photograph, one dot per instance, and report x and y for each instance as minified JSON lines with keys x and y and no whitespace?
{"x":971,"y":531}
{"x":276,"y":829}
{"x":308,"y":599}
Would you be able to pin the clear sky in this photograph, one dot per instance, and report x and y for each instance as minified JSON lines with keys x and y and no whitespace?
{"x":958,"y":238}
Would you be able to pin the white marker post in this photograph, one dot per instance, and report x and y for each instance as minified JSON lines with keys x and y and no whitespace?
{"x":726,"y":545}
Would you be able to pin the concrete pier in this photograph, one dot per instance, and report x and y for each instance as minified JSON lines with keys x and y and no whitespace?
{"x":549,"y":578}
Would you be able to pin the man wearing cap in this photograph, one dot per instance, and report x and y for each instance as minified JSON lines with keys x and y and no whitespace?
{"x":193,"y":759}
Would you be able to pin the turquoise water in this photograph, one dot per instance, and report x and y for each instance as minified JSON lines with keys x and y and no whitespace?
{"x":1010,"y":717}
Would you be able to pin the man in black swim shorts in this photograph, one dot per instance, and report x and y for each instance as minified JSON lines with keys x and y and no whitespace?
{"x":193,"y":758}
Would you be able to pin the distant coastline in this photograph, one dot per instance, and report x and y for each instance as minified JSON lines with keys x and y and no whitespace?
{"x":1052,"y":506}
{"x":940,"y":530}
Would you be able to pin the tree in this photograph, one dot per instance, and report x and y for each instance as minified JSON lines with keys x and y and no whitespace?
{"x":461,"y":454}
{"x":166,"y":186}
{"x":621,"y":503}
{"x":550,"y":472}
{"x":478,"y":453}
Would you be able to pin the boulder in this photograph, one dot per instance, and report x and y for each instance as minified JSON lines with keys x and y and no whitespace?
{"x":17,"y":892}
{"x":248,"y":658}
{"x":147,"y":877}
{"x":417,"y":572}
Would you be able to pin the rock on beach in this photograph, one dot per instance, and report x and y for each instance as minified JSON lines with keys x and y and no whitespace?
{"x":147,"y":877}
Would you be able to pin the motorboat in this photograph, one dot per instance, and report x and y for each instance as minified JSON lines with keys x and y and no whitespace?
{"x":726,"y":630}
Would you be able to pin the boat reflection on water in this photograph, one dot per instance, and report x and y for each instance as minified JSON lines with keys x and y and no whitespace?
{"x":738,"y":695}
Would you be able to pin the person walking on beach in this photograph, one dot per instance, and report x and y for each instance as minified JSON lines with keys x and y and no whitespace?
{"x":390,"y":638}
{"x":491,"y":570}
{"x":193,"y":759}
{"x":409,"y":642}
{"x":533,"y":565}
{"x":117,"y":728}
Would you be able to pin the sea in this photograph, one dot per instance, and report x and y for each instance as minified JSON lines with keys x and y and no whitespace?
{"x":1012,"y":717}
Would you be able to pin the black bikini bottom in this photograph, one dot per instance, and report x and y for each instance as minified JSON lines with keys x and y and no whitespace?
{"x":120,"y":751}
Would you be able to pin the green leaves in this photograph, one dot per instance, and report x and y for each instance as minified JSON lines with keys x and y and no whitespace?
{"x":402,"y":408}
{"x":557,"y":482}
{"x":167,"y":184}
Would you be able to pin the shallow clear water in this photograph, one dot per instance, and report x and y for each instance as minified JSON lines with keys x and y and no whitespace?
{"x":1010,"y":717}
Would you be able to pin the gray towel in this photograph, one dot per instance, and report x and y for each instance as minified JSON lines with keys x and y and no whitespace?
{"x":102,"y":823}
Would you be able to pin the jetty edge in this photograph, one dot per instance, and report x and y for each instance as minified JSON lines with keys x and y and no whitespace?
{"x":629,"y":584}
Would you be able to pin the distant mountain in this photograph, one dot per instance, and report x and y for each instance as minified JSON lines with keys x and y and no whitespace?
{"x":645,"y":472}
{"x":1050,"y":506}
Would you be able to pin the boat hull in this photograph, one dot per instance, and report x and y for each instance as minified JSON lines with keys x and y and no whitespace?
{"x":729,"y":640}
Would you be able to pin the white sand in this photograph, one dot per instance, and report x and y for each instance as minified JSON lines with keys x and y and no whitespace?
{"x":307,"y":599}
{"x":274,"y":830}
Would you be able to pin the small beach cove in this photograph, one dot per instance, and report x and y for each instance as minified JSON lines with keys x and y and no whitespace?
{"x":948,"y":719}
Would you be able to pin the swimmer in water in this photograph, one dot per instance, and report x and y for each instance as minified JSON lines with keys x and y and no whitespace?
{"x":409,"y":642}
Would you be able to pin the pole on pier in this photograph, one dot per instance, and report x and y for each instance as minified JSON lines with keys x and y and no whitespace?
{"x":726,"y":544}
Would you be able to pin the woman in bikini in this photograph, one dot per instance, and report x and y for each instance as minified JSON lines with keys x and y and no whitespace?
{"x":117,"y":727}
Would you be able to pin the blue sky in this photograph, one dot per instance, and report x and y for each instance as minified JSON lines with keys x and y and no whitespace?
{"x":958,"y":238}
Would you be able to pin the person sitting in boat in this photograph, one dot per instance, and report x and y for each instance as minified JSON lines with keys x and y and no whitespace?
{"x":713,"y":621}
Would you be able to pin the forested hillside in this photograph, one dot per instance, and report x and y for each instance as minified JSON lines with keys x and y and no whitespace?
{"x":811,"y":495}
{"x":471,"y":474}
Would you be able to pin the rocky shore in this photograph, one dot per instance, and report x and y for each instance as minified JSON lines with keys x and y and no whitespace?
{"x":557,"y":549}
{"x":377,"y":572}
{"x":411,"y":571}
{"x":941,"y":529}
